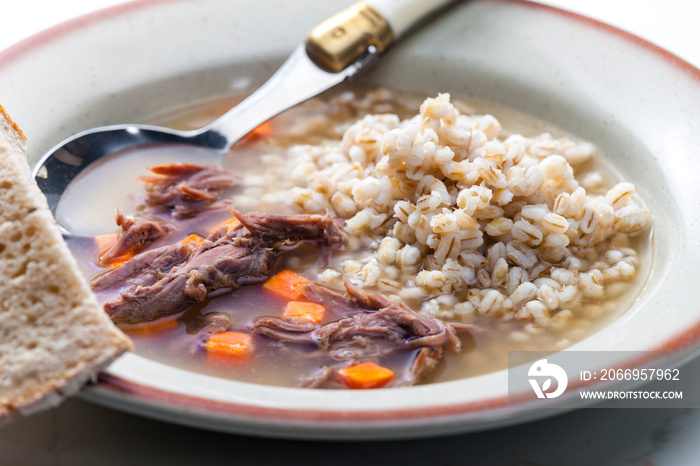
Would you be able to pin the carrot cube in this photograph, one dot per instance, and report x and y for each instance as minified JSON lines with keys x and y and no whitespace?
{"x":312,"y":312}
{"x":287,"y":284}
{"x":261,"y":131}
{"x":365,"y":375}
{"x":120,"y":260}
{"x":193,"y":238}
{"x":232,"y":344}
{"x":103,"y":243}
{"x":228,"y":223}
{"x":152,"y":326}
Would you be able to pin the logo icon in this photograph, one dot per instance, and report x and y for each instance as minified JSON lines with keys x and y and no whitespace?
{"x":545,"y":371}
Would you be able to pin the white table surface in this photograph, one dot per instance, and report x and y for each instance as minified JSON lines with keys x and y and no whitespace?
{"x":80,"y":433}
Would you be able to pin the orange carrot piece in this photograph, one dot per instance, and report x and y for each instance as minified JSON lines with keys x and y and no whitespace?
{"x":311,"y":312}
{"x":193,"y":238}
{"x":103,"y":243}
{"x":263,"y":130}
{"x":119,"y":261}
{"x":228,"y":223}
{"x":153,"y":326}
{"x":287,"y":284}
{"x":231,"y":344}
{"x":365,"y":375}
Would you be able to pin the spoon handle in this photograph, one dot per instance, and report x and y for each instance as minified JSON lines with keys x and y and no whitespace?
{"x":402,"y":15}
{"x":337,"y":49}
{"x":342,"y":39}
{"x":297,"y":80}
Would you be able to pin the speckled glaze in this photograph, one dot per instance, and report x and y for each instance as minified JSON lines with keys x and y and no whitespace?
{"x":638,"y":103}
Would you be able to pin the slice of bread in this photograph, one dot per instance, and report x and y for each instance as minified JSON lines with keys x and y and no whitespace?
{"x":54,"y":335}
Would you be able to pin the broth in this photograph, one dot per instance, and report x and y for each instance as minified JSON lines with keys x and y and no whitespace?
{"x":262,"y":159}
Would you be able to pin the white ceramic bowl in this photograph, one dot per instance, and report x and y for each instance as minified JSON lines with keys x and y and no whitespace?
{"x":638,"y":103}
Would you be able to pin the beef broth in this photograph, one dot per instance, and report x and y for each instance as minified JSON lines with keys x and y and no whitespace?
{"x":278,"y":357}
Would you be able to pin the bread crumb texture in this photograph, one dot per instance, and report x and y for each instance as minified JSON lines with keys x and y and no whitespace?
{"x":53,"y":332}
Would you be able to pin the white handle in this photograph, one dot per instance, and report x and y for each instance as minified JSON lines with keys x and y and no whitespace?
{"x":402,"y":14}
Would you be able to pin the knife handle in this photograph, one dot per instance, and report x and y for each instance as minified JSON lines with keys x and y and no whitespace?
{"x":343,"y":39}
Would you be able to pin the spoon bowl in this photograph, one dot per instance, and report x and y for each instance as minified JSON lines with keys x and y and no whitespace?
{"x":339,"y":49}
{"x":296,"y":81}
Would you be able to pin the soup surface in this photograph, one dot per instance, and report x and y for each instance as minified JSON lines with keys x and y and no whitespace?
{"x":513,"y":233}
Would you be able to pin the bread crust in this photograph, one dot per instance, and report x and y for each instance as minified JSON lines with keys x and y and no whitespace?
{"x":54,"y":335}
{"x":19,"y":134}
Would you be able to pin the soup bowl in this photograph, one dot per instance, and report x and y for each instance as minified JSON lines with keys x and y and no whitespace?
{"x":636,"y":102}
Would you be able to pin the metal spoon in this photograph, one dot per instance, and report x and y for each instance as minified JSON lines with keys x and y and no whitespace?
{"x":338,"y":49}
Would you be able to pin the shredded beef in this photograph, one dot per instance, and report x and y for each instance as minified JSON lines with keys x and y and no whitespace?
{"x":271,"y":229}
{"x":319,"y":378}
{"x":183,"y":189}
{"x":144,"y":269}
{"x":170,"y":279}
{"x":137,"y":234}
{"x":371,"y":327}
{"x":205,"y":325}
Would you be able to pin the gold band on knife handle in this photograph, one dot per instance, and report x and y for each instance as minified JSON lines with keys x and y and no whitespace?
{"x":341,"y":40}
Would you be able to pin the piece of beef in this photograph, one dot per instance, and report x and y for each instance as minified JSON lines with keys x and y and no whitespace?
{"x":226,"y":266}
{"x":354,"y":299}
{"x":183,"y":189}
{"x":271,"y":229}
{"x":137,"y":234}
{"x":182,"y":277}
{"x":145,"y":268}
{"x":319,"y":378}
{"x":286,"y":330}
{"x":371,"y":327}
{"x":205,"y":325}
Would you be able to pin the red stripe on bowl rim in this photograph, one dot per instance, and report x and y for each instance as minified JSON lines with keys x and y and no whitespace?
{"x":127,"y":388}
